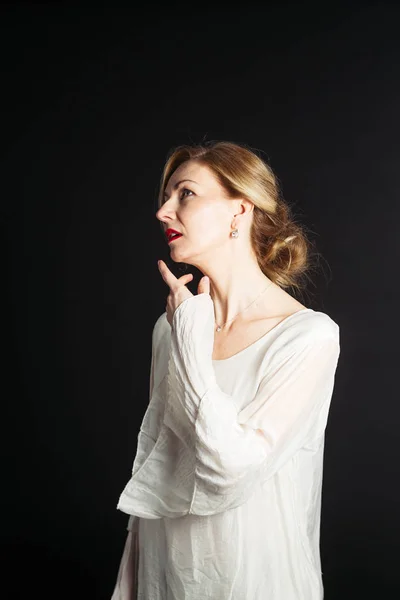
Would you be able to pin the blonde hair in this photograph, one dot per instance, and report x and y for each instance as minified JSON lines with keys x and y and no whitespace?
{"x":281,"y":245}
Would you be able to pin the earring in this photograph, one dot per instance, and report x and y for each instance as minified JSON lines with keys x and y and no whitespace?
{"x":235,"y":233}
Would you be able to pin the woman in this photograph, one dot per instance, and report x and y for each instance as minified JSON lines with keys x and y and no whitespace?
{"x":225,"y":493}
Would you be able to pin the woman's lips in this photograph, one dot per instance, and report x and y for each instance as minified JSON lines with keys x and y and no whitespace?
{"x":175,"y":237}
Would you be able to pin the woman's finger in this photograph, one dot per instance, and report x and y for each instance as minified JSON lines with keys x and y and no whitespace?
{"x":173,"y":282}
{"x":167,"y":275}
{"x":185,"y":279}
{"x":204,"y":285}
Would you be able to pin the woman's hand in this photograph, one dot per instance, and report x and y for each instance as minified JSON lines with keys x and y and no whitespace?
{"x":178,"y":290}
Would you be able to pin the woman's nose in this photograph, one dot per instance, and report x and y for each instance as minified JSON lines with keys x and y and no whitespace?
{"x":164,"y":211}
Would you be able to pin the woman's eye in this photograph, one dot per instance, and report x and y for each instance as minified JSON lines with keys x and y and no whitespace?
{"x":183,"y":192}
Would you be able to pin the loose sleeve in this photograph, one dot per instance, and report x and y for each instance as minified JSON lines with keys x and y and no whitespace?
{"x":151,"y":423}
{"x":234,"y":450}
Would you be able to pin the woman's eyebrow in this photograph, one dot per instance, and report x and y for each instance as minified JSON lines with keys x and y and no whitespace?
{"x":178,"y":183}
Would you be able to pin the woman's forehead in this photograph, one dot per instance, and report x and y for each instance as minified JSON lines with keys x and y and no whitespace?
{"x":194,"y":171}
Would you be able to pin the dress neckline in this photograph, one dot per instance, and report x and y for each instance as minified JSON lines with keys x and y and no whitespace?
{"x":263,"y":337}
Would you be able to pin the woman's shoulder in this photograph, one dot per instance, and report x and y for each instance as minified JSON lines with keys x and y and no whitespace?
{"x":308,"y":326}
{"x":295,"y":319}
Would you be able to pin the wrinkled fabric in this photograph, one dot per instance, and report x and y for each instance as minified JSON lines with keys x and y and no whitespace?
{"x":225,"y":492}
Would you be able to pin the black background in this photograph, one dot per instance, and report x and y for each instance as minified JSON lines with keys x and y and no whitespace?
{"x":92,"y":100}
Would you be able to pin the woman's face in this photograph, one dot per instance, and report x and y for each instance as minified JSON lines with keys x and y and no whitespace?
{"x":196,"y":206}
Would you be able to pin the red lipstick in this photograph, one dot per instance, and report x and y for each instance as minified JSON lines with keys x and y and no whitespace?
{"x":172,"y":234}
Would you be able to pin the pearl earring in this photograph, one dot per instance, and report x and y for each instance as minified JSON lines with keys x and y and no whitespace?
{"x":235,"y":233}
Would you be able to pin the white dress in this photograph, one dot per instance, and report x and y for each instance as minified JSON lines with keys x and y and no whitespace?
{"x":225,"y":493}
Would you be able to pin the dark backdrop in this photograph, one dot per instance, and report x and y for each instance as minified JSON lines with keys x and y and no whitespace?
{"x":93,"y":98}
